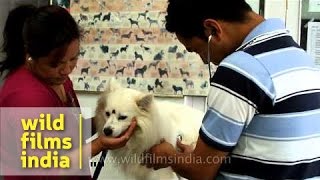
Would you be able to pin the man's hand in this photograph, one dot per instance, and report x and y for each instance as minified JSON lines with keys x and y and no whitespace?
{"x":159,"y":156}
{"x":184,"y":148}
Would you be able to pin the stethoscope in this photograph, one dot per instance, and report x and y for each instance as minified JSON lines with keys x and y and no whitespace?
{"x":208,"y":59}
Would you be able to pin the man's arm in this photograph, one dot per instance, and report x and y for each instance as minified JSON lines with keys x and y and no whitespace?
{"x":205,"y":162}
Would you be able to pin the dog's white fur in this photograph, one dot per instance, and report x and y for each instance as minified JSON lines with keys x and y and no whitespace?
{"x":155,"y":120}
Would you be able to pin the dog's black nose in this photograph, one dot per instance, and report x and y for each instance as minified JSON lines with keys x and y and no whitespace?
{"x":107,"y":131}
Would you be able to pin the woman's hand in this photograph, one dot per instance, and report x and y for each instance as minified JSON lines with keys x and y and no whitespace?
{"x":105,"y":143}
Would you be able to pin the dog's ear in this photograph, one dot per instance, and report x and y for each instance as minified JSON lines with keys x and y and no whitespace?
{"x":144,"y":103}
{"x":112,"y":85}
{"x":101,"y":103}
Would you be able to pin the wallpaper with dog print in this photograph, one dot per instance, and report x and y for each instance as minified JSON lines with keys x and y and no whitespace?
{"x":126,"y":39}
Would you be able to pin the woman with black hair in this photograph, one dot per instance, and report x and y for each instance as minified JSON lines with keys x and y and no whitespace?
{"x":41,"y":47}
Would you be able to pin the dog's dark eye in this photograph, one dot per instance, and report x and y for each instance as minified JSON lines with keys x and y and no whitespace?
{"x":122,"y":117}
{"x":107,"y":114}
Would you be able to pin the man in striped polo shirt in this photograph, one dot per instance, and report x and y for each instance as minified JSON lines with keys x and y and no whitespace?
{"x":263,"y":117}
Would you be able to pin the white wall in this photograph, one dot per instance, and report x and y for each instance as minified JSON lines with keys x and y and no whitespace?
{"x":293,"y":19}
{"x":288,"y":11}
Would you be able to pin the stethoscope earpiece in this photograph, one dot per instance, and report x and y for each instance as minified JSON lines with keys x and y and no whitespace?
{"x":208,"y":57}
{"x":209,"y":38}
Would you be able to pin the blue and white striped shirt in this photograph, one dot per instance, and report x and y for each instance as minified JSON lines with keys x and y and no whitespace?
{"x":264,"y":108}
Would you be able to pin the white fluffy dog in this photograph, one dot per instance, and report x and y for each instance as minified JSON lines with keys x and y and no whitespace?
{"x":116,"y":108}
